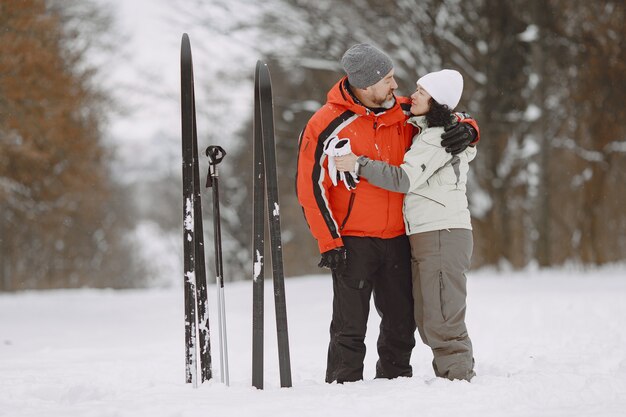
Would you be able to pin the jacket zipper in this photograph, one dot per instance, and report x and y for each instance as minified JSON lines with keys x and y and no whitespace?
{"x":350,"y":204}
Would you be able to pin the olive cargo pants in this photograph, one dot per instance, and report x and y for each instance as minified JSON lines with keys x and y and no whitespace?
{"x":439,"y":262}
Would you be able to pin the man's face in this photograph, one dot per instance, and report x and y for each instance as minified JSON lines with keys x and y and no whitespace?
{"x":381,"y":93}
{"x":420,"y":101}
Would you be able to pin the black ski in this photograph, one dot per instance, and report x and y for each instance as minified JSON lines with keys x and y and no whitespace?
{"x":266,"y":185}
{"x":197,"y":339}
{"x":258,"y":243}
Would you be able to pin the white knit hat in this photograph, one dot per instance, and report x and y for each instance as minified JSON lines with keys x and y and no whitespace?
{"x":445,"y":86}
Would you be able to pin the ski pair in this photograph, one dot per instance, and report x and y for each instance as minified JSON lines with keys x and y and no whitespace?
{"x":266,"y":185}
{"x":197,"y":335}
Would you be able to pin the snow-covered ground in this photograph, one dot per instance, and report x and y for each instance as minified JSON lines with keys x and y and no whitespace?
{"x":547,"y":343}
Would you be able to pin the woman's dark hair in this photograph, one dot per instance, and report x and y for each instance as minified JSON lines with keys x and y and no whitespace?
{"x":439,"y":115}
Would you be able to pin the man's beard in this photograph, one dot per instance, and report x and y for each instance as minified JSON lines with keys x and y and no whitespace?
{"x":386,"y":103}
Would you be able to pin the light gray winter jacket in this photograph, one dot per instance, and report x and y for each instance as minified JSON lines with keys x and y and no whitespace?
{"x":434,"y":181}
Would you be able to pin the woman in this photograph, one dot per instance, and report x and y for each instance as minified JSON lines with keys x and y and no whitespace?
{"x":437,"y":220}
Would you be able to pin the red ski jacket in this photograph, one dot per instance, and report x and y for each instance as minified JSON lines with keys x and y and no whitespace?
{"x":334,"y":211}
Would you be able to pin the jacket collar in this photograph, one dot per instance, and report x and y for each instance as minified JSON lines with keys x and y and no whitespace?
{"x":418,"y":121}
{"x":340,"y":96}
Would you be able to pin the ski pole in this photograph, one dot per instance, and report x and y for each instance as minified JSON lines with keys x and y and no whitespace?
{"x":216,"y":154}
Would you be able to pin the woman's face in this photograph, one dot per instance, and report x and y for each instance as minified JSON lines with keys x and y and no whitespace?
{"x":420,"y":101}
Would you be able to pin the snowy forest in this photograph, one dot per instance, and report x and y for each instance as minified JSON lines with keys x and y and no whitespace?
{"x":90,"y":159}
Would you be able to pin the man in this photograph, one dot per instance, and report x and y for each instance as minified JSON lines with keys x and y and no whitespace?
{"x":360,"y":231}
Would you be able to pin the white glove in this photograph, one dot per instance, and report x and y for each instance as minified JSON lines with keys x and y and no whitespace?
{"x":339,"y":147}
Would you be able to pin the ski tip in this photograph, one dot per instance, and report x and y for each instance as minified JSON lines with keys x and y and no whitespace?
{"x":260,"y":63}
{"x":185,"y":48}
{"x":262,"y":74}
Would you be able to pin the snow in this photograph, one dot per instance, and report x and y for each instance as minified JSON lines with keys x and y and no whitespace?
{"x":531,"y":34}
{"x":480,"y":202}
{"x":258,"y":266}
{"x":586,"y":154}
{"x":547,"y":343}
{"x":532,"y":113}
{"x":188,"y":221}
{"x":617,"y":146}
{"x":163,"y":253}
{"x":586,"y":175}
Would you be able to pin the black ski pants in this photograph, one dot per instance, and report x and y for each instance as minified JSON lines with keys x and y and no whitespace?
{"x":381,"y":267}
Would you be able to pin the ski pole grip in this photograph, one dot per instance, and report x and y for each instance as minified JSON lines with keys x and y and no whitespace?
{"x":215,"y":154}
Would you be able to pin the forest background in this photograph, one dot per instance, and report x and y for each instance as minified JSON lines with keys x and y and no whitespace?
{"x":90,"y":164}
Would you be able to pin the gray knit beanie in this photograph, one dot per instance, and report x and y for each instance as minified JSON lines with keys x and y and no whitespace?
{"x":365,"y":65}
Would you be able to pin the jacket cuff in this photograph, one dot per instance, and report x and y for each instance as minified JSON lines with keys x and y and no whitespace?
{"x":326,"y":246}
{"x":474,"y":125}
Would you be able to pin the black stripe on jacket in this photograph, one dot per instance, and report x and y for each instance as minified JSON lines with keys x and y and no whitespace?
{"x":318,"y":191}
